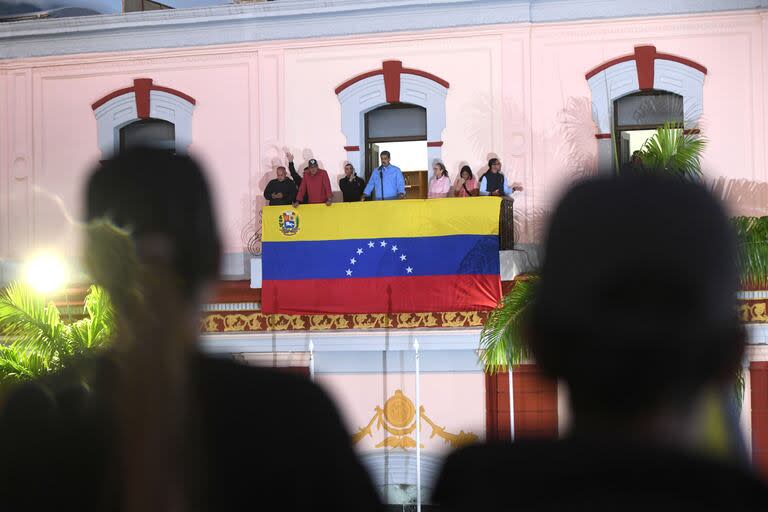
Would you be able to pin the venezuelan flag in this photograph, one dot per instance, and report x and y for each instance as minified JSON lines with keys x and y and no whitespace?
{"x":381,"y":257}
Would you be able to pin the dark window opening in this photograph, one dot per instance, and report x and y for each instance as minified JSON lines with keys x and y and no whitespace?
{"x":637,"y":116}
{"x":151,"y":133}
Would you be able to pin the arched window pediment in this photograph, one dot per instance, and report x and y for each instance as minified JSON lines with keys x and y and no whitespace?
{"x":391,"y":84}
{"x":644,"y":70}
{"x":144,"y":100}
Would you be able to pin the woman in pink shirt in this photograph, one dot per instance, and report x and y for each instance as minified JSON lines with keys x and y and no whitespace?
{"x":466,"y":184}
{"x":440,"y":183}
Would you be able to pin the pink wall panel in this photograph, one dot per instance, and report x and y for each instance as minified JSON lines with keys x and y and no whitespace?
{"x":516,"y":91}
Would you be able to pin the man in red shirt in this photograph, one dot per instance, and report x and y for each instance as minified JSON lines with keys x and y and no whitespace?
{"x":316,"y":185}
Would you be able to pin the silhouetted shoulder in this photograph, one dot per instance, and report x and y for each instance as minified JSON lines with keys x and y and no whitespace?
{"x":280,"y":436}
{"x":595,"y":476}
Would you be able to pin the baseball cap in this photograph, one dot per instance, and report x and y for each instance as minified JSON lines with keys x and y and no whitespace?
{"x":312,"y":162}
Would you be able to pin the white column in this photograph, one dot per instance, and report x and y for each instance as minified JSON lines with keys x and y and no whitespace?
{"x":418,"y":426}
{"x":311,"y":360}
{"x":511,"y":406}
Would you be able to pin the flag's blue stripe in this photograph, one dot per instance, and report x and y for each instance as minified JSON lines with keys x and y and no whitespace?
{"x":429,"y":256}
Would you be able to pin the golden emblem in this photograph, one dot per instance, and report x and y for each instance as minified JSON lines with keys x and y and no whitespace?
{"x":398,"y":418}
{"x":399,"y":410}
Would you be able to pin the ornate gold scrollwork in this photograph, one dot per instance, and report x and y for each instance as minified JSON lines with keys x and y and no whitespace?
{"x":398,"y":418}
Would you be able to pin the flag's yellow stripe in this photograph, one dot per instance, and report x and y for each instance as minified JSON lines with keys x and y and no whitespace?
{"x":381,"y":219}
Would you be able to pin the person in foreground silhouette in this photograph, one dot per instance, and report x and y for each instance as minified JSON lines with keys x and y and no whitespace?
{"x":158,"y":426}
{"x":636,"y":313}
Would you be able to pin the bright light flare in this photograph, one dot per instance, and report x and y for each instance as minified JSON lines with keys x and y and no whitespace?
{"x":46,"y":273}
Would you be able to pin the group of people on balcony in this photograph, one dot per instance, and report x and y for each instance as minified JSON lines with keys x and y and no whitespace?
{"x":386,"y":182}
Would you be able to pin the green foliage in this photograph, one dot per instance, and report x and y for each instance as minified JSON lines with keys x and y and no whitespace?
{"x":501,"y":339}
{"x":752,"y":233}
{"x":38,"y":342}
{"x":672,"y":151}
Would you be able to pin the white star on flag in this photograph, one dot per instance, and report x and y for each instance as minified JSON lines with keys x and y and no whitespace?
{"x":370,"y":244}
{"x":394,"y":248}
{"x":359,"y":251}
{"x":409,"y":270}
{"x":349,"y":272}
{"x":383,"y":243}
{"x":353,"y":261}
{"x":402,"y":257}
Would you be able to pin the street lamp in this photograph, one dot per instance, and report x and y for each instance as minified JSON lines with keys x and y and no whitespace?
{"x":46,"y":273}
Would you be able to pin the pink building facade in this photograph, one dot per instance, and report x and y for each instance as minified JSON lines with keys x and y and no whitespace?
{"x":529,"y":82}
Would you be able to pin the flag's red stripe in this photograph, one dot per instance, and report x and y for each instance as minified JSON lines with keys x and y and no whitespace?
{"x":382,"y":294}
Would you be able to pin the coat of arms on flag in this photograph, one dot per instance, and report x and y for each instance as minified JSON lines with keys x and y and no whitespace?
{"x":289,"y":222}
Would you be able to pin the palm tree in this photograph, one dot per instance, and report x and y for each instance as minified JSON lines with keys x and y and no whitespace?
{"x":38,"y":342}
{"x":752,"y":233}
{"x":501,"y":339}
{"x":674,"y":152}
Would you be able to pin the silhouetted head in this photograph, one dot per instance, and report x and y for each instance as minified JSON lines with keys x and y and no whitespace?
{"x":164,"y":202}
{"x":636,"y":305}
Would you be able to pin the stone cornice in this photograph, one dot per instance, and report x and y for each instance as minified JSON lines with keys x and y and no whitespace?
{"x":299,"y":19}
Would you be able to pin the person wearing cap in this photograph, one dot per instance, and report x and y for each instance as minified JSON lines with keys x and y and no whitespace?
{"x":386,"y":182}
{"x":316,"y":185}
{"x":635,"y":313}
{"x":281,"y":190}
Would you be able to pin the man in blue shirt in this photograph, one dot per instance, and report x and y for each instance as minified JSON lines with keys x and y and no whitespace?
{"x":386,"y":181}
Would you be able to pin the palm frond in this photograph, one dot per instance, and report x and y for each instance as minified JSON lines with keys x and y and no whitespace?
{"x":501,"y":340}
{"x":29,"y":322}
{"x":738,"y":388}
{"x":96,"y":329}
{"x":752,"y":233}
{"x":672,"y":151}
{"x":18,"y":365}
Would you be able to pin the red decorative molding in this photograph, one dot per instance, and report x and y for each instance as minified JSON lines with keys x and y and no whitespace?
{"x":682,"y":60}
{"x":111,"y":96}
{"x":758,"y":375}
{"x":609,"y":64}
{"x":645,"y":56}
{"x":435,"y":144}
{"x":229,"y":292}
{"x":602,"y":135}
{"x":174,"y":92}
{"x":392,"y":69}
{"x":358,"y":78}
{"x":142,"y":88}
{"x":351,"y":148}
{"x":429,"y":76}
